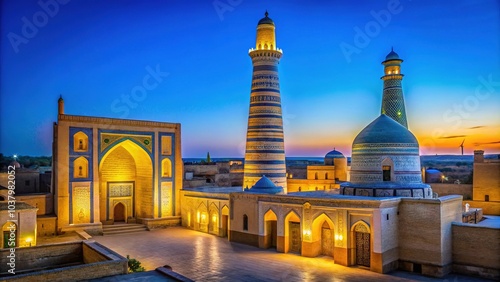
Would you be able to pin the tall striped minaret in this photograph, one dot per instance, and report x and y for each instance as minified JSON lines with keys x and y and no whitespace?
{"x":393,"y":103}
{"x":265,"y":149}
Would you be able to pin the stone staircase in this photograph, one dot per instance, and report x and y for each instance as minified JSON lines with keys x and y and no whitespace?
{"x":122,"y":229}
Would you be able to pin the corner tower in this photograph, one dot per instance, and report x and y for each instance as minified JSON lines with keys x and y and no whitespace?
{"x":393,"y":104}
{"x":265,"y":150}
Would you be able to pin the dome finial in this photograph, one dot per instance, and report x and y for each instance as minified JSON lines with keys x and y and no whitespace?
{"x":266,"y":14}
{"x":392,"y":48}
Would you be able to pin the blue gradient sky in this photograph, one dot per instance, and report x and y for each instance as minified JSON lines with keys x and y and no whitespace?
{"x":95,"y":52}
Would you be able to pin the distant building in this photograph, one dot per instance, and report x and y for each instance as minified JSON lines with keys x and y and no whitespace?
{"x":322,"y":177}
{"x":486,"y":184}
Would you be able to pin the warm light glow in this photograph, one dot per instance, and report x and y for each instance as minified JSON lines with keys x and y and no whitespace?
{"x":339,"y":237}
{"x":307,"y":232}
{"x":29,"y":240}
{"x":214,"y":218}
{"x":198,"y":217}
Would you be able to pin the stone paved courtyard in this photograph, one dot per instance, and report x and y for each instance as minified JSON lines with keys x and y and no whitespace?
{"x":204,"y":257}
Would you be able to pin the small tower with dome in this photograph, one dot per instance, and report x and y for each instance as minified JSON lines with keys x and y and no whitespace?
{"x":393,"y":103}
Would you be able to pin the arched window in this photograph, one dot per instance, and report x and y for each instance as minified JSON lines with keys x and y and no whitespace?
{"x":265,"y":46}
{"x":326,"y":175}
{"x":166,"y":168}
{"x":80,"y":168}
{"x":486,"y":198}
{"x":316,"y":175}
{"x":272,"y":47}
{"x":245,"y":222}
{"x":387,"y":169}
{"x":80,"y":142}
{"x":260,"y":46}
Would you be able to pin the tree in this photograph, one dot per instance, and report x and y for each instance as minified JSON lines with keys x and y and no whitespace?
{"x":134,"y":265}
{"x":208,"y":158}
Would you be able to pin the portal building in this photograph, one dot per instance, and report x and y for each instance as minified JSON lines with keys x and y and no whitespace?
{"x":110,"y":170}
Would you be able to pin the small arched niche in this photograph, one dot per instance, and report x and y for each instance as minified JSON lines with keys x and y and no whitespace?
{"x":81,"y":168}
{"x":166,"y":168}
{"x":80,"y":142}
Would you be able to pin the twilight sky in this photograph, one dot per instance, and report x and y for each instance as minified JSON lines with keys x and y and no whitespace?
{"x":96,"y":54}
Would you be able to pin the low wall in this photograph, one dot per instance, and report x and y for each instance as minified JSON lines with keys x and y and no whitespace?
{"x":491,"y":208}
{"x":46,"y":226}
{"x":476,"y":250}
{"x":44,"y":202}
{"x":39,"y":257}
{"x":445,"y":189}
{"x":90,"y":260}
{"x":155,"y":223}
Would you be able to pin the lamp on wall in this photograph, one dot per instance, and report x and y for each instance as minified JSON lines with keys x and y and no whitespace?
{"x":339,"y":237}
{"x":29,"y":240}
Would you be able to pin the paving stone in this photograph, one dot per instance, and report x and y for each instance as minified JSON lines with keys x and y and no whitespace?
{"x":204,"y":257}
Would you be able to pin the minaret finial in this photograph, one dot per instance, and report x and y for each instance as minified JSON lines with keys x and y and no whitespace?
{"x":392,"y":48}
{"x":266,"y":14}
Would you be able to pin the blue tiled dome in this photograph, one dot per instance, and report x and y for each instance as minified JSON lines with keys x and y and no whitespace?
{"x":385,"y":130}
{"x":334,"y":155}
{"x":392,"y":56}
{"x":266,"y":20}
{"x":265,"y":185}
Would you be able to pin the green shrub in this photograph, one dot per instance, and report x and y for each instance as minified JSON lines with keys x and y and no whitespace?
{"x":134,"y":265}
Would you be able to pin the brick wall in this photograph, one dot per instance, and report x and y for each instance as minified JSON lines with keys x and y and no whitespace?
{"x":486,"y":181}
{"x":99,"y":262}
{"x":43,"y":256}
{"x":476,"y":250}
{"x":452,"y":189}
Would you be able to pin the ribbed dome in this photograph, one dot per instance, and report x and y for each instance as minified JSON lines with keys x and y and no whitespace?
{"x":385,"y":130}
{"x":266,"y":20}
{"x":334,"y":155}
{"x":392,"y":56}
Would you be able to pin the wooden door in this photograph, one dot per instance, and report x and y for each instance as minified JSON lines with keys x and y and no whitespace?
{"x":326,"y":242}
{"x":119,"y":212}
{"x":294,"y":237}
{"x":363,"y":249}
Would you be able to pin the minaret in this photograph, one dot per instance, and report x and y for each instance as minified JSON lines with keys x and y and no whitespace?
{"x":265,"y":149}
{"x":60,"y":106}
{"x":393,"y":103}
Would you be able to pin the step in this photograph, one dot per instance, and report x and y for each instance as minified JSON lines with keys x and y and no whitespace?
{"x":121,"y":226}
{"x":123,"y":229}
{"x":123,"y":232}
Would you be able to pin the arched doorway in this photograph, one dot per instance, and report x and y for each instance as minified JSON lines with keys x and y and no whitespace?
{"x":213,"y":227}
{"x":225,"y":221}
{"x":202,"y":218}
{"x":361,"y":234}
{"x":126,"y":177}
{"x":270,"y":229}
{"x":293,"y":241}
{"x":323,"y":235}
{"x":119,"y":214}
